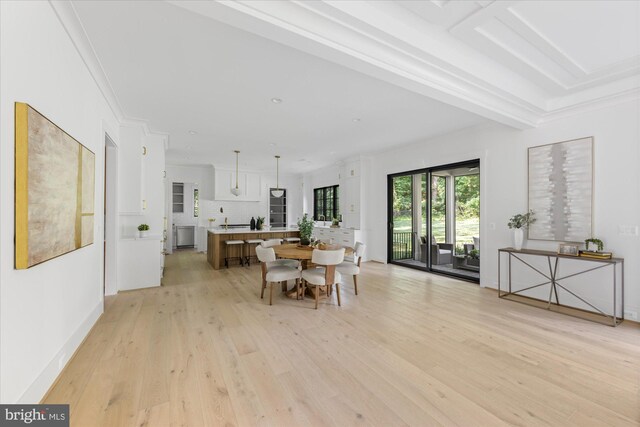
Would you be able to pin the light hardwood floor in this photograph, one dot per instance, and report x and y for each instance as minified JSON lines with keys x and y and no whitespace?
{"x":410,"y":349}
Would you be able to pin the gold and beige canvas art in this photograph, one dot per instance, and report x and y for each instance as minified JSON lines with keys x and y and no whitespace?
{"x":54,"y":199}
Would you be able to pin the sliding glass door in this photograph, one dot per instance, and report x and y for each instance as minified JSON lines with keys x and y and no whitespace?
{"x":434,"y":219}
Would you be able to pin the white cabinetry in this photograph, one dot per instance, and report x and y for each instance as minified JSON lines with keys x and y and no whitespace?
{"x":140,"y":263}
{"x":339,"y":236}
{"x":248,"y":183}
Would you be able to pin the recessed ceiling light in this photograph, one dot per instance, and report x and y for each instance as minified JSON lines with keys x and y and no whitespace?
{"x":188,"y":147}
{"x":276,"y":100}
{"x":192,"y":132}
{"x":356,"y":120}
{"x":332,"y":152}
{"x":272,"y":144}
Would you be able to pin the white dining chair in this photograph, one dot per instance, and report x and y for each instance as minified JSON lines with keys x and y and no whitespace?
{"x":352,"y":267}
{"x":283,"y":262}
{"x":326,"y":275}
{"x":273,"y":272}
{"x":271,"y":242}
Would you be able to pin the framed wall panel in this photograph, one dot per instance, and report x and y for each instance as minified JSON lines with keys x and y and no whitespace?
{"x":54,"y":190}
{"x":561,"y":190}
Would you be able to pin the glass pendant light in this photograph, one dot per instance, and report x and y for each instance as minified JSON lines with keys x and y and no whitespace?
{"x":277,"y":192}
{"x":236,"y":191}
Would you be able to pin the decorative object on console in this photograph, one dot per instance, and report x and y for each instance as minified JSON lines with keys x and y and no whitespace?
{"x":561,"y":190}
{"x":259,"y":223}
{"x":252,"y":223}
{"x":305,"y":225}
{"x":517,"y":223}
{"x":277,"y":192}
{"x":54,"y":190}
{"x":597,"y":244}
{"x":568,"y":249}
{"x":143,"y":229}
{"x":236,"y":191}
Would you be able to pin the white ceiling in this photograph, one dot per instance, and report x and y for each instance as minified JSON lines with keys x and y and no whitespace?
{"x":408,"y":69}
{"x":183,"y":72}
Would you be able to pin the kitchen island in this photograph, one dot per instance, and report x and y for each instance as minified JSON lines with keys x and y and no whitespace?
{"x":217,"y":236}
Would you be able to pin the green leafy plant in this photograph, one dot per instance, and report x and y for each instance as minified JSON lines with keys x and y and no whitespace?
{"x":143,"y":227}
{"x":474,"y":253}
{"x":259,"y":222}
{"x":335,"y":221}
{"x":522,"y":220}
{"x":596,"y":242}
{"x":305,"y":225}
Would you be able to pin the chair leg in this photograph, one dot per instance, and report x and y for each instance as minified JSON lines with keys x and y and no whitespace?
{"x":264,"y":285}
{"x":355,"y":282}
{"x":317,"y":295}
{"x":338,"y":293}
{"x":297,"y":289}
{"x":304,"y":288}
{"x":271,"y":294}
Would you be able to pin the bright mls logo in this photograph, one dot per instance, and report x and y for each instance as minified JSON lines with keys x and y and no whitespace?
{"x":34,"y":415}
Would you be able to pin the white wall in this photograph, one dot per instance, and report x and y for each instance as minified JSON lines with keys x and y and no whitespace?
{"x":47,"y":310}
{"x":503,"y":156}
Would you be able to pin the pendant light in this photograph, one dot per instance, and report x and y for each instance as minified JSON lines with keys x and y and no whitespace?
{"x":236,"y":191}
{"x":277,"y":192}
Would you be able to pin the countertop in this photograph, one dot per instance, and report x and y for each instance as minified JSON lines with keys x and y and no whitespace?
{"x":247,"y":230}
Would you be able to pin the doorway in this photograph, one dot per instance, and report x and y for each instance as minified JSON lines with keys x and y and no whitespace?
{"x":434,"y":219}
{"x":110,"y":209}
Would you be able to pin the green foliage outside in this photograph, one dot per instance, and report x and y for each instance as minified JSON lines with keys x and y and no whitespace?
{"x":467,"y":191}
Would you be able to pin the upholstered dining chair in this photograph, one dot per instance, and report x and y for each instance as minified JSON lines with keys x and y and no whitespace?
{"x":273,"y":272}
{"x":285,"y":262}
{"x":352,"y":267}
{"x":326,"y":275}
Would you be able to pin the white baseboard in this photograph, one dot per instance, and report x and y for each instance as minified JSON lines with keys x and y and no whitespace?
{"x":37,"y":390}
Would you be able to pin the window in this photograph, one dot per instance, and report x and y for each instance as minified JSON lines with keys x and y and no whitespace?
{"x":196,"y":204}
{"x":326,"y":202}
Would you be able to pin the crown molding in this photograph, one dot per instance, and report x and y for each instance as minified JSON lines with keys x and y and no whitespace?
{"x":386,"y":41}
{"x":72,"y":25}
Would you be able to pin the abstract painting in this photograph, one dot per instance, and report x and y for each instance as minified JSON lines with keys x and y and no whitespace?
{"x":561,"y":190}
{"x":54,"y":198}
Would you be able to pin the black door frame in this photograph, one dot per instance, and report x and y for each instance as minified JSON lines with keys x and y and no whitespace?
{"x":427,"y":171}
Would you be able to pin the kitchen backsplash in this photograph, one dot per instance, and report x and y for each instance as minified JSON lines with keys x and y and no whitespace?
{"x":235,"y":212}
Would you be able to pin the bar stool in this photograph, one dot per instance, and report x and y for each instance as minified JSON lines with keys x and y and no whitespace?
{"x":228,"y":243}
{"x":292,"y":239}
{"x":250,"y":242}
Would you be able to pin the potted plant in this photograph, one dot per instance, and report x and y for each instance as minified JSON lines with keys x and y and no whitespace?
{"x":143,"y":229}
{"x":594,"y":245}
{"x":335,"y":223}
{"x":474,"y":258}
{"x":259,"y":223}
{"x":517,"y":223}
{"x":305,"y":225}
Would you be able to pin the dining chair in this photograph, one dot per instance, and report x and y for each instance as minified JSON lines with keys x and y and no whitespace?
{"x":285,"y":262}
{"x":271,"y":242}
{"x":273,"y":272}
{"x":352,"y":267}
{"x":326,"y":275}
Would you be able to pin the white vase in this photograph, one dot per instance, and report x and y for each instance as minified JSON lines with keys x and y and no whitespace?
{"x":518,"y":238}
{"x":142,"y":233}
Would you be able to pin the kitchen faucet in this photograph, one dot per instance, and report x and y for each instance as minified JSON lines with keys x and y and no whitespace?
{"x":226,"y":225}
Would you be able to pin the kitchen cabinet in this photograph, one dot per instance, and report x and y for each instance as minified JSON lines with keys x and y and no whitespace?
{"x":248,"y":183}
{"x":340,"y":236}
{"x":140,"y":262}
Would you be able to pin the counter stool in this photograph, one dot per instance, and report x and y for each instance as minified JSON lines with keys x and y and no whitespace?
{"x":250,"y":242}
{"x":292,"y":239}
{"x":227,"y":258}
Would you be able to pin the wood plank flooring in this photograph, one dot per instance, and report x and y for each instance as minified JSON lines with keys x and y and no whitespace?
{"x":410,"y":349}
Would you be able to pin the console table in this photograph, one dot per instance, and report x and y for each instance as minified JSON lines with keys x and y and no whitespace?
{"x":552,"y":279}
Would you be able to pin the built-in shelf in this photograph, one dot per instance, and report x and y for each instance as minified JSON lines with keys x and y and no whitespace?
{"x":178,"y":197}
{"x":278,"y":209}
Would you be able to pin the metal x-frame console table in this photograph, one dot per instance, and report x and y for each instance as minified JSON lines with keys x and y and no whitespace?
{"x":553,"y":280}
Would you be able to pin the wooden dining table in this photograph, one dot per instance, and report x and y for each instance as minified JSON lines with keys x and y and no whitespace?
{"x":303,"y":254}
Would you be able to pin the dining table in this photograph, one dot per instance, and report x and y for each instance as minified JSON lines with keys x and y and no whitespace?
{"x":304,"y":254}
